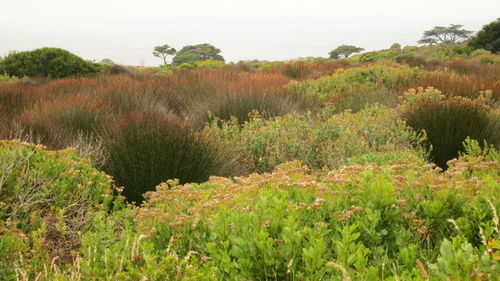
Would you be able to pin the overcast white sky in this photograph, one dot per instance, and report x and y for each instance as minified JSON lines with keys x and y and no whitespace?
{"x":127,"y":30}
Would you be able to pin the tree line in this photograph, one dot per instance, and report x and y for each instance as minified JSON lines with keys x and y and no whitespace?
{"x":58,"y":63}
{"x":488,"y":39}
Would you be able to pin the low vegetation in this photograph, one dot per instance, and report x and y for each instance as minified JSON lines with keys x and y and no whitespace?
{"x":380,"y":166}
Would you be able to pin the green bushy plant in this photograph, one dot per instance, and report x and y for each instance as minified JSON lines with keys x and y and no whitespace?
{"x":46,"y":199}
{"x":355,"y":87}
{"x":51,"y":62}
{"x":213,"y":64}
{"x":365,"y":222}
{"x":7,"y":79}
{"x":319,"y":141}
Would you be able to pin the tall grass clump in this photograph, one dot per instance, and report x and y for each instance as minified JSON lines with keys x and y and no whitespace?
{"x":56,"y":123}
{"x":453,"y":84}
{"x":448,"y":122}
{"x":15,"y":98}
{"x":296,"y":70}
{"x":257,"y":92}
{"x":145,"y":148}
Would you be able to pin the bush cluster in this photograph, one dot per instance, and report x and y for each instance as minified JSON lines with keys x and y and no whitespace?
{"x":51,"y":62}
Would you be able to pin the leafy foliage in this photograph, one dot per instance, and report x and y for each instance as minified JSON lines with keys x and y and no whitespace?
{"x":345,"y":50}
{"x":324,"y":141}
{"x":445,"y":35}
{"x":52,"y":62}
{"x":361,"y":204}
{"x":163,"y":51}
{"x":46,"y":197}
{"x":195,"y":53}
{"x":488,"y":38}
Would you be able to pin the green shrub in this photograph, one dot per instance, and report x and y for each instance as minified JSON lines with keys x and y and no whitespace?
{"x":364,"y":222}
{"x":448,"y":123}
{"x":146,"y":148}
{"x":342,"y":86}
{"x":51,"y":62}
{"x":213,"y":64}
{"x":403,"y":220}
{"x":318,"y":141}
{"x":375,"y":56}
{"x":46,"y":198}
{"x":7,"y":79}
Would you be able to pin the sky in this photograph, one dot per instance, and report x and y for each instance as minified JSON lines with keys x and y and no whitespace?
{"x":126,"y":31}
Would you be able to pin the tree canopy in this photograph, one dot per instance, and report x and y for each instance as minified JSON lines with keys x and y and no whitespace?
{"x":445,"y":35}
{"x":50,"y":62}
{"x":163,"y":51}
{"x":195,"y":53}
{"x":345,"y":50}
{"x":487,"y":38}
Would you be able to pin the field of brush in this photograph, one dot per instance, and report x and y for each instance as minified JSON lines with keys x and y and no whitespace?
{"x":352,"y":169}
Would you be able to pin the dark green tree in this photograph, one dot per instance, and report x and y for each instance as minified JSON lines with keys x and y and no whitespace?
{"x":50,"y":62}
{"x":345,"y":50}
{"x":487,"y":38}
{"x":445,"y":35}
{"x":163,"y":52}
{"x":194,"y":53}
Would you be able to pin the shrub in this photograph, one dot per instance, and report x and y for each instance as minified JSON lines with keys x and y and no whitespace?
{"x":356,"y":87}
{"x":52,"y":62}
{"x":213,"y":64}
{"x":323,"y":141}
{"x":375,"y":56}
{"x":361,"y":222}
{"x":448,"y":123}
{"x":343,"y":80}
{"x":46,"y":198}
{"x":7,"y":79}
{"x":145,"y":148}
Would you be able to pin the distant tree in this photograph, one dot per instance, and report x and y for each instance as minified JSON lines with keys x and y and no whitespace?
{"x":194,"y":53}
{"x":345,"y":50}
{"x":445,"y":35}
{"x":396,"y":47}
{"x":487,"y":38}
{"x":163,"y":52}
{"x":107,"y":62}
{"x":50,"y":62}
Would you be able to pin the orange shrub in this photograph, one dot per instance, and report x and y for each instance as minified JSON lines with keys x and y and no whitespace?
{"x":459,"y":85}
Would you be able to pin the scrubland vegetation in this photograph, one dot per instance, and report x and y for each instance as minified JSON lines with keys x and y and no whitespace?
{"x":379,"y":166}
